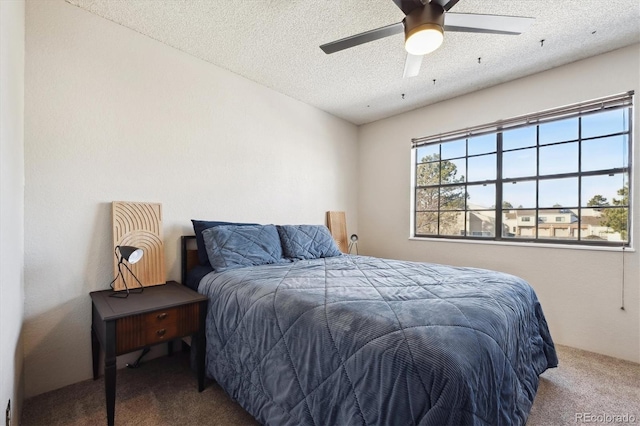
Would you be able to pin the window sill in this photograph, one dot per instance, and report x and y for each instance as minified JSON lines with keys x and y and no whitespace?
{"x":523,"y":244}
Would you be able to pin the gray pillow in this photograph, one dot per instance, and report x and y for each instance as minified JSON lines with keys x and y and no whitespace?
{"x":201,"y":225}
{"x":307,"y":242}
{"x":232,"y":246}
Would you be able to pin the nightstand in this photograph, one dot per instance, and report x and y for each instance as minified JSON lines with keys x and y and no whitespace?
{"x":160,"y":314}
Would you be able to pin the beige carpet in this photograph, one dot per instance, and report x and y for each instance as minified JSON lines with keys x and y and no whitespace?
{"x":163,"y":392}
{"x":587,"y":384}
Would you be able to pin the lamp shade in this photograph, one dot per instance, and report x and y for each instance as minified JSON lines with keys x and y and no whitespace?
{"x":130,"y":254}
{"x":354,"y":238}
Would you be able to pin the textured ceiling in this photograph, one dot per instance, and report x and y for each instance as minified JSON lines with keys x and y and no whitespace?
{"x":275,"y":43}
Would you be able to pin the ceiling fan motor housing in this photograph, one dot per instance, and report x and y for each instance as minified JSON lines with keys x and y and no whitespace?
{"x":431,"y":16}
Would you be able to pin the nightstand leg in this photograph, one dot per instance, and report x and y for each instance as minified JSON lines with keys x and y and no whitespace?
{"x":110,"y":372}
{"x":200,"y":363}
{"x":110,"y":388}
{"x":95,"y":351}
{"x":201,"y":344}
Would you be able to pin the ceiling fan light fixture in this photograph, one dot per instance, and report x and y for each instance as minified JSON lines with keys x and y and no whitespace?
{"x":423,"y":39}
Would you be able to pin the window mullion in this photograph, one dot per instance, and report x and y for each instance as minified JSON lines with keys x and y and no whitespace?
{"x":499,"y":201}
{"x":537,"y":210}
{"x":579,"y":236}
{"x":439,"y":188}
{"x":467,"y":232}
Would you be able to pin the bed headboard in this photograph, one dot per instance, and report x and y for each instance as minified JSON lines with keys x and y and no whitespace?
{"x":189,"y":255}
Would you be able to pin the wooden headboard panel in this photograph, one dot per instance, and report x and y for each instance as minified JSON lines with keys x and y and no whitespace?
{"x":337,"y":224}
{"x":189,"y":255}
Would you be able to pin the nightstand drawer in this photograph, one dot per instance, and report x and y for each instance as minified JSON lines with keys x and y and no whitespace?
{"x":161,"y":318}
{"x":159,"y":326}
{"x":161,"y":333}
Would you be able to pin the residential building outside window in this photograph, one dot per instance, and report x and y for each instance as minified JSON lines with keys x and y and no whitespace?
{"x":560,"y":176}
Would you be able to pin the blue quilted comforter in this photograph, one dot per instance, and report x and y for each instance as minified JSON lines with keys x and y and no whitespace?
{"x":354,"y":340}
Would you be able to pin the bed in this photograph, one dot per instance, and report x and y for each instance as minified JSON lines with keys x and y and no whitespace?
{"x":357,"y":340}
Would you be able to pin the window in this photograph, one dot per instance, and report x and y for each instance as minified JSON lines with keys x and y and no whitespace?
{"x":562,"y":176}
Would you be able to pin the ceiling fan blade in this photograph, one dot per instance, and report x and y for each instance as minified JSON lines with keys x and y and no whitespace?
{"x":492,"y":24}
{"x":408,"y":5}
{"x":366,"y":37}
{"x":412,"y":65}
{"x":446,"y":4}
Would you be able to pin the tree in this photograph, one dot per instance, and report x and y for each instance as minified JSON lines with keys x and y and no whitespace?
{"x":617,"y":218}
{"x":431,"y":199}
{"x":597,"y":201}
{"x":506,"y":205}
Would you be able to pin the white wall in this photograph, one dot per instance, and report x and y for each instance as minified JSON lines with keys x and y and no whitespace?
{"x":11,"y":204}
{"x":580,"y":290}
{"x":114,"y":115}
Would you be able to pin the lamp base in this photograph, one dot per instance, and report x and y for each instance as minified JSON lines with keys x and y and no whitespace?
{"x":122,"y":294}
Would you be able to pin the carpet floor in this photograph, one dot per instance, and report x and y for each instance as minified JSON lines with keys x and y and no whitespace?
{"x":585,"y":388}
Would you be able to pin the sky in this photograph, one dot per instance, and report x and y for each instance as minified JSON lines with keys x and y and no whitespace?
{"x":519,"y":160}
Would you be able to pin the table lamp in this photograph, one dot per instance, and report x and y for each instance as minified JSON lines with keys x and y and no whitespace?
{"x":131,"y":255}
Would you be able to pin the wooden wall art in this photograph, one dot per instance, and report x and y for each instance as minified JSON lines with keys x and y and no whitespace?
{"x":139,"y":225}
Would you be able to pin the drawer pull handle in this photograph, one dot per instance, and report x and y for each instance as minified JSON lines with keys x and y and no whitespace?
{"x":162,"y":316}
{"x":161,"y":332}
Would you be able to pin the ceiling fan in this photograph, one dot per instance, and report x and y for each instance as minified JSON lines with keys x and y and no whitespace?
{"x":424,"y":26}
